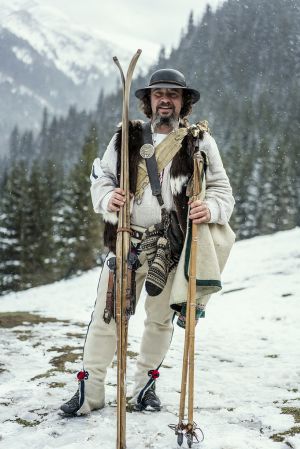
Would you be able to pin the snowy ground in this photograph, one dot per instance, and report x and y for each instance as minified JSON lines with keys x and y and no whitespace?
{"x":247,"y":363}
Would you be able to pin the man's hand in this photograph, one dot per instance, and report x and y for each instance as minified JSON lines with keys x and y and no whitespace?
{"x":117,"y":200}
{"x":199,"y":212}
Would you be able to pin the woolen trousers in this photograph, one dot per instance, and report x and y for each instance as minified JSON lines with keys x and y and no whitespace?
{"x":100,"y":343}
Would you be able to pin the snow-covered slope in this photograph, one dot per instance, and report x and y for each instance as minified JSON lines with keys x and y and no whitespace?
{"x":77,"y":52}
{"x":46,"y":60}
{"x":247,"y":361}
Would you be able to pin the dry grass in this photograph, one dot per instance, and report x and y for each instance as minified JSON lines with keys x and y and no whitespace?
{"x":295,"y":412}
{"x":14,"y":319}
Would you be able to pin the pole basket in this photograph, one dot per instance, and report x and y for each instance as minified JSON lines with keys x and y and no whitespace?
{"x":187,"y":434}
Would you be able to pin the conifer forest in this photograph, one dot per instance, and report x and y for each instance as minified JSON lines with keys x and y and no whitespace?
{"x":245,"y":60}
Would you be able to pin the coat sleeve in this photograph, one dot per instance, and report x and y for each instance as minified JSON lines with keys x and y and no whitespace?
{"x":103,"y":181}
{"x":218,"y":196}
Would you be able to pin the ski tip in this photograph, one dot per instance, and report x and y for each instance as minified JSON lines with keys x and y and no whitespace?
{"x":139,"y":51}
{"x":115,"y":58}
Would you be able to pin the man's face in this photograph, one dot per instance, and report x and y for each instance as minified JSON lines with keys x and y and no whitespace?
{"x":166,"y":103}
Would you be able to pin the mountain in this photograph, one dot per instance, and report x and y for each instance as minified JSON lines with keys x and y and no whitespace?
{"x":46,"y":61}
{"x":246,"y":361}
{"x":245,"y":61}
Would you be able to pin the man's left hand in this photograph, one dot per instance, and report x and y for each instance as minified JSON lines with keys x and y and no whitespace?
{"x":199,"y":212}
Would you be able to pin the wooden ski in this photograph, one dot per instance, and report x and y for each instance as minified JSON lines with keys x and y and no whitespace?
{"x":123,"y":288}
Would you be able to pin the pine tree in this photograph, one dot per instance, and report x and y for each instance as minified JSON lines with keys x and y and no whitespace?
{"x":26,"y":147}
{"x":82,"y":228}
{"x":63,"y":232}
{"x":246,"y":194}
{"x":12,"y":232}
{"x":267,"y":195}
{"x":162,"y":57}
{"x":14,"y":144}
{"x":38,"y":225}
{"x":190,"y":28}
{"x":285,"y":205}
{"x":56,"y":187}
{"x":100,"y":103}
{"x":44,"y":134}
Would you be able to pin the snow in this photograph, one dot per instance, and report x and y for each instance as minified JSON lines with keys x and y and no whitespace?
{"x":22,"y":54}
{"x":72,"y":48}
{"x":247,"y":361}
{"x":5,"y":79}
{"x":25,"y":91}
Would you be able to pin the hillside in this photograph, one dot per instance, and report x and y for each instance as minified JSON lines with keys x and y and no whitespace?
{"x":247,"y":364}
{"x":244,"y":59}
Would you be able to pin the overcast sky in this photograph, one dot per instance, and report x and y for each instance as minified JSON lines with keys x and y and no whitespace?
{"x":134,"y":23}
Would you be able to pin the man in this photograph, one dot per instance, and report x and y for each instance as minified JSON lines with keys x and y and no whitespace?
{"x":165,"y":101}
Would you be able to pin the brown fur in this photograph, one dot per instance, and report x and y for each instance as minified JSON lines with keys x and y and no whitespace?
{"x":182,"y":165}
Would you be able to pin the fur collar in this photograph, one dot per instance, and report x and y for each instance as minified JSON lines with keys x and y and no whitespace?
{"x":180,"y":172}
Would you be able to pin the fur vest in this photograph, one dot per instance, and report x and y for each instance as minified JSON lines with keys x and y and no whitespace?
{"x":180,"y":172}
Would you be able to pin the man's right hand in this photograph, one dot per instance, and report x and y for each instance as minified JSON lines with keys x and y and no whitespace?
{"x":117,"y":200}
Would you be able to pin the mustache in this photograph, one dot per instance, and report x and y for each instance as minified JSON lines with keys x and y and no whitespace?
{"x":163,"y":104}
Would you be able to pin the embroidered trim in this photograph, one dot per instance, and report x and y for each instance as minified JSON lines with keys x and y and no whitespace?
{"x":153,"y":373}
{"x":82,"y":376}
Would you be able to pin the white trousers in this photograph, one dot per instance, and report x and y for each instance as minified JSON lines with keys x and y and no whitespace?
{"x":100,"y":344}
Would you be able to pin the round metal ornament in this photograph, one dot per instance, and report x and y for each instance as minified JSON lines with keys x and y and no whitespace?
{"x":147,"y":151}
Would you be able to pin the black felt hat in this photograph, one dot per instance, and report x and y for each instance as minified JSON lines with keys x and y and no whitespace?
{"x":168,"y":78}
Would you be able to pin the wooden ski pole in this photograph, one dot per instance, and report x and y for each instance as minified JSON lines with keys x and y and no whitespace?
{"x":184,"y":372}
{"x":198,"y":164}
{"x":122,"y":251}
{"x":189,"y":429}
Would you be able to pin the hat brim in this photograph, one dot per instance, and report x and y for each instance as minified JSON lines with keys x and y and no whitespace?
{"x":195,"y":94}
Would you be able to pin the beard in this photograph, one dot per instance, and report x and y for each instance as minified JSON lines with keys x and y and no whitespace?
{"x":170,"y":121}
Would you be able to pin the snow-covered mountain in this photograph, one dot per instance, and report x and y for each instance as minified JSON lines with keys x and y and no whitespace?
{"x":247,"y":361}
{"x":45,"y":60}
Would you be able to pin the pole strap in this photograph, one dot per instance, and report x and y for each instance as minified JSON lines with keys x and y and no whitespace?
{"x":151,"y":165}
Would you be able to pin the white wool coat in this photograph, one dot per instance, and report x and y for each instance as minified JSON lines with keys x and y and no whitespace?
{"x":218,"y":195}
